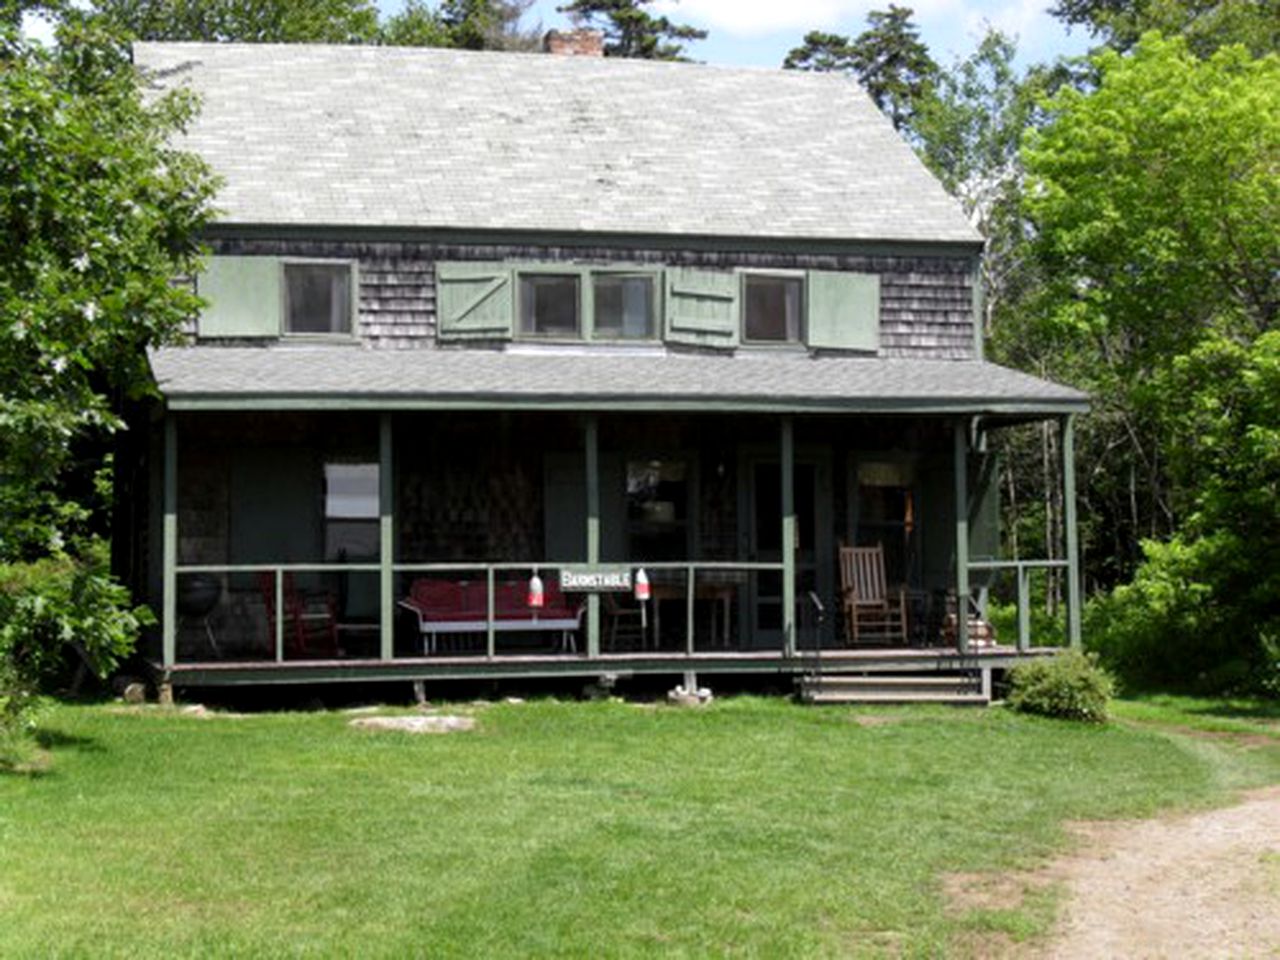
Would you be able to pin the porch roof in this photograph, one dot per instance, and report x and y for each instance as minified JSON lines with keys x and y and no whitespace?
{"x":342,"y":377}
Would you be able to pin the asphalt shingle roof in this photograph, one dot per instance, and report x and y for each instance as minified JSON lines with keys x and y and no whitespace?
{"x":297,"y":376}
{"x":398,"y":137}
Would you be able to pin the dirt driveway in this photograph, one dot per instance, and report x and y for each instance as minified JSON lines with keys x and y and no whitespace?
{"x":1197,"y":885}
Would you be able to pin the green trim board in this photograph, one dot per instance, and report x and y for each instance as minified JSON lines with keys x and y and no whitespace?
{"x":225,"y":229}
{"x":612,"y":665}
{"x":979,"y":294}
{"x":960,"y":469}
{"x":386,"y":538}
{"x":585,"y":402}
{"x":169,"y":548}
{"x":787,"y":462}
{"x":591,"y":457}
{"x":1067,"y":448}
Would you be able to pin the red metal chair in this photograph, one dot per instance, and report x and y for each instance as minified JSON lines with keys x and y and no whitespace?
{"x":310,"y":621}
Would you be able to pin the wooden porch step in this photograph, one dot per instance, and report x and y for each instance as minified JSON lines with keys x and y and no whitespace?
{"x":847,"y":697}
{"x":890,"y":688}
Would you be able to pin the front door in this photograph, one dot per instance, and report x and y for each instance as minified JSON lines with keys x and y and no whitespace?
{"x":764,"y":536}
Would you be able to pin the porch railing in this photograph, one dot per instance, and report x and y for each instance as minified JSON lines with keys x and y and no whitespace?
{"x":1022,"y":572}
{"x":730,"y":576}
{"x":277,"y":572}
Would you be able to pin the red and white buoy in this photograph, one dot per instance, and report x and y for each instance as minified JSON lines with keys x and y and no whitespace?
{"x":537,"y":593}
{"x":642,"y":585}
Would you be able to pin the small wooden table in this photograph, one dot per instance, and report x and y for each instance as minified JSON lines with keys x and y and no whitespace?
{"x":720,"y":592}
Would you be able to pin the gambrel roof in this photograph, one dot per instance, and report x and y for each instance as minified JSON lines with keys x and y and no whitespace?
{"x":381,"y":137}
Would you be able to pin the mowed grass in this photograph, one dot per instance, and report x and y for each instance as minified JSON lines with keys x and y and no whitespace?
{"x":756,"y":827}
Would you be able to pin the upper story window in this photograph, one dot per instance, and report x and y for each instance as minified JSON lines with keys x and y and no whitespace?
{"x":771,"y":309}
{"x":624,"y":306}
{"x":719,"y":309}
{"x":549,"y":305}
{"x":317,"y":298}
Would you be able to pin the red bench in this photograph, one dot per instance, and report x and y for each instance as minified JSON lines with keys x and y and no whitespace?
{"x":461,"y":606}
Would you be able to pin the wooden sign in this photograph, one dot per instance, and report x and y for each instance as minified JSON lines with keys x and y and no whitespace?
{"x":596,"y":580}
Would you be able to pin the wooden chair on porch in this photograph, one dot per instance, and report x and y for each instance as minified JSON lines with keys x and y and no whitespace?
{"x":872,"y":612}
{"x":624,"y":630}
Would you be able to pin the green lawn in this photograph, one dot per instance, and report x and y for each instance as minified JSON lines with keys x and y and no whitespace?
{"x":754,"y":827}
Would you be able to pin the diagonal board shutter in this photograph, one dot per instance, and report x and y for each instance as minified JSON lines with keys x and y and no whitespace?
{"x":474,"y":301}
{"x":844,"y":310}
{"x":243,"y":297}
{"x":702,"y":307}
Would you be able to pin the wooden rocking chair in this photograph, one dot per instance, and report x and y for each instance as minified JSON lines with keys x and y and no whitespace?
{"x":872,"y":613}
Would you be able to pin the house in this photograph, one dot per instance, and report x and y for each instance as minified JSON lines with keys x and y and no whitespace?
{"x":520,"y":365}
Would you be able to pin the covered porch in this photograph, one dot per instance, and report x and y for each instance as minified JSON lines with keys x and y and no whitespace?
{"x":364,"y":538}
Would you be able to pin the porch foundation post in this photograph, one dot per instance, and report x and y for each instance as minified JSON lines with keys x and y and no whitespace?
{"x":787,"y":461}
{"x":591,"y":443}
{"x":960,"y":465}
{"x":1067,"y":427}
{"x":386,"y":544}
{"x":169,"y":621}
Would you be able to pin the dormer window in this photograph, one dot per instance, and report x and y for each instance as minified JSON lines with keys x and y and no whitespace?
{"x":317,"y":298}
{"x":772,"y":308}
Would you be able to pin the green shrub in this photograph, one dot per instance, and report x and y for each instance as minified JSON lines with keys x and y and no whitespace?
{"x":48,"y":606}
{"x":1070,"y":685}
{"x":1197,"y":617}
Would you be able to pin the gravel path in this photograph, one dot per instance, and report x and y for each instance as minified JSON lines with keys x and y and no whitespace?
{"x":1193,"y":886}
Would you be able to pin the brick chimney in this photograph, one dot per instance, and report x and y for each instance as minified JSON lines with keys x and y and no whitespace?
{"x":574,"y":43}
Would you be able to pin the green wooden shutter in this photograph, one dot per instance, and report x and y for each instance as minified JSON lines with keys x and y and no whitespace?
{"x":702,"y":307}
{"x":243,"y":295}
{"x":474,"y":301}
{"x":844,"y":310}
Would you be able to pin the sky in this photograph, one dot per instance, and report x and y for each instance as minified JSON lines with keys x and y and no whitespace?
{"x":760,"y":32}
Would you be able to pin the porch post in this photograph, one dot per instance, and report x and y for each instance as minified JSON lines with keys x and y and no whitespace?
{"x":787,"y":459}
{"x":386,"y":544}
{"x":960,"y":465}
{"x":1067,"y":427}
{"x":591,"y":443}
{"x":169,"y":622}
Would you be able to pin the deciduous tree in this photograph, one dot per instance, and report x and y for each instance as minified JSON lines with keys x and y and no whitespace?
{"x":1206,"y":25}
{"x":1154,"y":199}
{"x":98,"y":215}
{"x":467,"y":24}
{"x":248,"y":21}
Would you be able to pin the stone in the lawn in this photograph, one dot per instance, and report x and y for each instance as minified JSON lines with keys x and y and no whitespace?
{"x":680,"y":697}
{"x":135,"y":692}
{"x":442,"y":723}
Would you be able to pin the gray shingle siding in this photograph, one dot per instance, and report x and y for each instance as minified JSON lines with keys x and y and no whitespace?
{"x":926,"y":306}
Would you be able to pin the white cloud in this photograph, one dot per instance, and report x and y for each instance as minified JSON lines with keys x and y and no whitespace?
{"x":757,"y":17}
